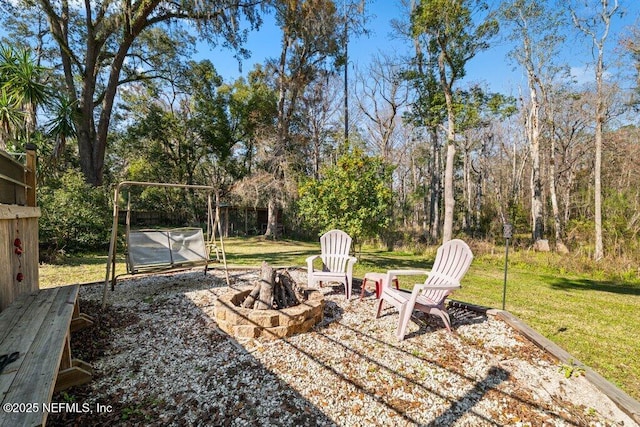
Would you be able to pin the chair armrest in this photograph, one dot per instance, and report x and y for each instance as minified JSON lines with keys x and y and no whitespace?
{"x":310,"y":260}
{"x":407,"y":272}
{"x":340,"y":256}
{"x":351,"y":260}
{"x":391,"y":273}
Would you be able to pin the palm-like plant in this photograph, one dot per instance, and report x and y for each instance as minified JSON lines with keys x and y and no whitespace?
{"x":11,"y":118}
{"x":7,"y":60}
{"x":21,"y":81}
{"x":62,"y":126}
{"x":24,"y":81}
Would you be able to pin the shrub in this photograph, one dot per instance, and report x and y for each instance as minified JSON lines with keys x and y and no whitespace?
{"x":353,"y":195}
{"x":75,"y":215}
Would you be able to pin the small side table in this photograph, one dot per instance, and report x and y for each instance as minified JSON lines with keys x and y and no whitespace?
{"x":377,"y":278}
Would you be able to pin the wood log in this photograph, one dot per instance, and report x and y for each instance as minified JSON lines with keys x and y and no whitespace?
{"x":285,"y":289}
{"x":289,"y":293}
{"x":250,"y":300}
{"x":274,"y":290}
{"x":267,"y":280}
{"x":280,"y":296}
{"x":300,"y":295}
{"x":290,"y":287}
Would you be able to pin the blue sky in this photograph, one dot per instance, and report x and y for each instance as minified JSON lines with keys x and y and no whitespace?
{"x":491,"y":68}
{"x":265,"y":43}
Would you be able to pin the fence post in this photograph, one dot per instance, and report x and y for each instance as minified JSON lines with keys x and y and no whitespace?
{"x":507,"y":231}
{"x":30,"y":175}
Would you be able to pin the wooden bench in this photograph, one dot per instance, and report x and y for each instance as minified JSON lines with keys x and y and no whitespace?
{"x":38,"y":326}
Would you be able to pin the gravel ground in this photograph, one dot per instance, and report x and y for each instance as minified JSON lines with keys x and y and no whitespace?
{"x":160,"y":359}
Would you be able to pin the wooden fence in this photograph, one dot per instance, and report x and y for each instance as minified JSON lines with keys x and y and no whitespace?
{"x":18,"y":227}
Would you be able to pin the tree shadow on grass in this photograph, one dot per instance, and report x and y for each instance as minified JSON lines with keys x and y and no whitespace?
{"x":75,"y":260}
{"x":382,"y":263}
{"x":622,"y":288}
{"x":275,"y":258}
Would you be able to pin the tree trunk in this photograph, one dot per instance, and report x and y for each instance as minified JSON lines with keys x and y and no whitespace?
{"x":533,"y":130}
{"x":481,"y":179}
{"x":560,"y":247}
{"x":267,"y":281}
{"x":590,"y":27}
{"x":92,"y":139}
{"x":272,"y":219}
{"x":466,"y":188}
{"x":449,"y":198}
{"x":281,"y":124}
{"x":600,"y":117}
{"x":599,"y":251}
{"x":436,"y":187}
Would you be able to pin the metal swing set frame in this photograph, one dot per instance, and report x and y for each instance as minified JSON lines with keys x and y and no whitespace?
{"x":164,"y":250}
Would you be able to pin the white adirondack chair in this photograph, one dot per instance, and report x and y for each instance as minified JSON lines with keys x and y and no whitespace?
{"x":337,"y":264}
{"x":452,"y":262}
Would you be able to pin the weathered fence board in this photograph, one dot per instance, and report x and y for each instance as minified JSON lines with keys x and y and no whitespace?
{"x":18,"y":222}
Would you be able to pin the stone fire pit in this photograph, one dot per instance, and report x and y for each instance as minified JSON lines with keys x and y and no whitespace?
{"x":243,"y":322}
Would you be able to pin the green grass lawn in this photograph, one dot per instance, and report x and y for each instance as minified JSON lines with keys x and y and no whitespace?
{"x":595,"y":320}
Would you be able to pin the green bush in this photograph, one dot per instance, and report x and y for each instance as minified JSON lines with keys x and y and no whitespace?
{"x":353,"y":195}
{"x":75,"y":216}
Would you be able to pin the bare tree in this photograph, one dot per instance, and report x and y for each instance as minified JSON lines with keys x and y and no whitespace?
{"x":566,"y":125}
{"x":310,"y":40}
{"x":381,"y":96}
{"x":595,"y":23}
{"x":571,"y":149}
{"x":536,"y":29}
{"x":320,"y":105}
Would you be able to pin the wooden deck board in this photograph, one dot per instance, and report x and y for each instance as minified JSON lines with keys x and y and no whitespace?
{"x":40,"y":337}
{"x":11,"y":315}
{"x":21,"y":336}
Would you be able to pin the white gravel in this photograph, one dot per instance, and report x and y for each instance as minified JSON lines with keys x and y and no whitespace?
{"x":169,"y":364}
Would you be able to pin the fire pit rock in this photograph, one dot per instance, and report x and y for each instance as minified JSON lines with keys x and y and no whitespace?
{"x":243,"y":322}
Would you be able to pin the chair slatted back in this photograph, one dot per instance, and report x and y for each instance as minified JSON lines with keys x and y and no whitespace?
{"x":452,"y":261}
{"x":334,"y":247}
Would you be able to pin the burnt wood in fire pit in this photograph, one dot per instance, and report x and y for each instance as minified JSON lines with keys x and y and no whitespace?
{"x":275,"y":289}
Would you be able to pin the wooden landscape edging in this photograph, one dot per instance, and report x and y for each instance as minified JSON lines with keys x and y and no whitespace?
{"x":622,"y":400}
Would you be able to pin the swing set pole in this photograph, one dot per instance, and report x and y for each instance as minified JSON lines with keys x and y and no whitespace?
{"x":219,"y":226}
{"x":111,"y":261}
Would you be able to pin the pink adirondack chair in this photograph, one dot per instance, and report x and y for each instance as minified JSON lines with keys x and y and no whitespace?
{"x":337,"y":264}
{"x":452,"y":262}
